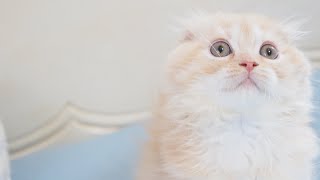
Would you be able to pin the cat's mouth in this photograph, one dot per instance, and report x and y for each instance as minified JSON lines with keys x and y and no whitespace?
{"x":247,"y":83}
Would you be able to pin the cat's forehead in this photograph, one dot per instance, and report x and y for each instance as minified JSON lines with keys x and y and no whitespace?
{"x":247,"y":32}
{"x":239,"y":29}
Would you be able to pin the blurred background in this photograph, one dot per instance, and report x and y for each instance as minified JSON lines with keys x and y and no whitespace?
{"x":102,"y":56}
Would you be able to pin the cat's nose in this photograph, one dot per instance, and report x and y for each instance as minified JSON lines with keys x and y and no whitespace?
{"x":249,"y":65}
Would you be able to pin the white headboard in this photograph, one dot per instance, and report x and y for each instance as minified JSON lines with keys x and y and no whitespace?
{"x":71,"y":69}
{"x":73,"y":124}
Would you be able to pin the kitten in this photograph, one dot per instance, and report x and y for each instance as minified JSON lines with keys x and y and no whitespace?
{"x":236,"y":104}
{"x":4,"y":158}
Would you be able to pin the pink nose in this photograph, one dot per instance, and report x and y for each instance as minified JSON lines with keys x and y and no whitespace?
{"x":249,"y":65}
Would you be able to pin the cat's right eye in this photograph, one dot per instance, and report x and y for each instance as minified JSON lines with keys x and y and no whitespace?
{"x":220,"y":49}
{"x":269,"y":51}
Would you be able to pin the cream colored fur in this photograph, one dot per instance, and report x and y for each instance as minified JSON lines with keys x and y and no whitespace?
{"x":208,"y":128}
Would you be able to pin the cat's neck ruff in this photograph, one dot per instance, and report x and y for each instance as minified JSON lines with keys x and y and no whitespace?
{"x":251,"y":108}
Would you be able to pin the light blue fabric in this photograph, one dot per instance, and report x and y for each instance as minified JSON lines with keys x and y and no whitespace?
{"x":110,"y":157}
{"x":316,"y":100}
{"x":316,"y":112}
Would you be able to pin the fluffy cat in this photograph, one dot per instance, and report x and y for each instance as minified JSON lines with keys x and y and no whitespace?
{"x":235,"y":106}
{"x":4,"y":158}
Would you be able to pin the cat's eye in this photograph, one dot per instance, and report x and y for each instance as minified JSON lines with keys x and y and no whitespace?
{"x":220,"y":49}
{"x":269,"y":51}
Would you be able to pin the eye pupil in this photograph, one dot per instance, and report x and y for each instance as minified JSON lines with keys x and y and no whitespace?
{"x":220,"y":49}
{"x":269,"y":51}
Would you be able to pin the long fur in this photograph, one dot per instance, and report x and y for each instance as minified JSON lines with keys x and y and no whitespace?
{"x":206,"y":127}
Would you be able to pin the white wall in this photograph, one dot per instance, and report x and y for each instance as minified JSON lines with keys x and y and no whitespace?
{"x":102,"y":55}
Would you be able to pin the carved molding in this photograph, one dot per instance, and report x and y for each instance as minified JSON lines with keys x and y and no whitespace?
{"x":72,"y":123}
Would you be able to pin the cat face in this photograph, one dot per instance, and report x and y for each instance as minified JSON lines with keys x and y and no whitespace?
{"x":239,"y":58}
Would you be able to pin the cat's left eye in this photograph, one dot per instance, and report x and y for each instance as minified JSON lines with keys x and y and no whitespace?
{"x":269,"y":51}
{"x":220,"y":49}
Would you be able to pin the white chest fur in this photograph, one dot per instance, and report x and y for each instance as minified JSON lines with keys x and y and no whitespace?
{"x":271,"y":142}
{"x":255,"y":146}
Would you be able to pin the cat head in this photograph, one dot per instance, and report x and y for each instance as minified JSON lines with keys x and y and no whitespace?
{"x":239,"y":59}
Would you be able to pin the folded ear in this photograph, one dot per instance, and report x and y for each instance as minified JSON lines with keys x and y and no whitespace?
{"x":187,"y":36}
{"x":186,"y":25}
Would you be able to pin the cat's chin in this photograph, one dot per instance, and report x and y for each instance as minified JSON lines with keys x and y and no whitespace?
{"x":246,"y":96}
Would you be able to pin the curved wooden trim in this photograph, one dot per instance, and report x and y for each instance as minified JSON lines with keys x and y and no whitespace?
{"x":72,"y":117}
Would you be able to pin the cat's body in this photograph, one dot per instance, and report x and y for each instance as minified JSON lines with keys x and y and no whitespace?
{"x":238,"y":114}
